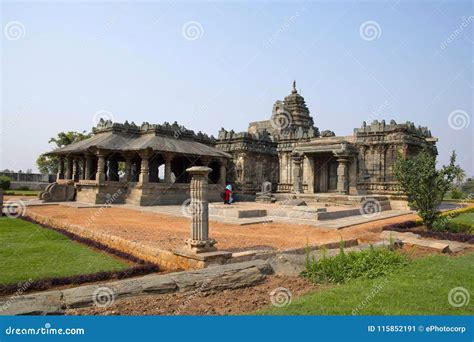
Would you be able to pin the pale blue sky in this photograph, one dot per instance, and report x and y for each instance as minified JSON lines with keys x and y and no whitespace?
{"x":132,"y":60}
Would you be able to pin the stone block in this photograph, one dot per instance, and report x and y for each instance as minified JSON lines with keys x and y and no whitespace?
{"x":49,"y":303}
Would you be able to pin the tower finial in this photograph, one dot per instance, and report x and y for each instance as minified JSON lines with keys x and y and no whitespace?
{"x":294,"y":91}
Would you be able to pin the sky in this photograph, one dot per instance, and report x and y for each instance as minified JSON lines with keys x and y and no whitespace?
{"x":219,"y":64}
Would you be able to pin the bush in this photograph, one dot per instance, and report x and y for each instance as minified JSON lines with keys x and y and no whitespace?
{"x":5,"y":182}
{"x":456,"y":194}
{"x":370,"y":263}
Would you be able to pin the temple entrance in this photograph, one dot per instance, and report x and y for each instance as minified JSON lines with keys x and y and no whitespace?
{"x":332,"y":176}
{"x":325,"y":176}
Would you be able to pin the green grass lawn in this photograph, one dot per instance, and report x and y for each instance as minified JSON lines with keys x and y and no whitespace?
{"x":466,"y":218}
{"x":421,"y":288}
{"x":21,"y":192}
{"x":28,"y":251}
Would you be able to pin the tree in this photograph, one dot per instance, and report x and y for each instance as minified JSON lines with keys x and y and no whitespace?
{"x":424,"y":184}
{"x":49,"y":164}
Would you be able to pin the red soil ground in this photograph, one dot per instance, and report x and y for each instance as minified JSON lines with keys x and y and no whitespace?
{"x":168,"y":232}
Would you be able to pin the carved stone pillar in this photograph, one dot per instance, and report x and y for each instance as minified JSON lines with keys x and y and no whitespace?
{"x":199,"y":241}
{"x":308,"y":172}
{"x":60,"y":174}
{"x":88,"y":167}
{"x":100,"y":175}
{"x":342,"y":174}
{"x":144,"y":168}
{"x":69,"y":166}
{"x":223,"y":173}
{"x":168,"y":158}
{"x":297,"y":181}
{"x":75,"y":170}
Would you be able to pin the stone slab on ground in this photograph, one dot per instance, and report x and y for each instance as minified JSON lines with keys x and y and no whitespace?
{"x":354,"y":220}
{"x":443,"y":246}
{"x":215,"y":278}
{"x":47,"y":303}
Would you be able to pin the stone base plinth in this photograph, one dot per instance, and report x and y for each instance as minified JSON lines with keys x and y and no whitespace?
{"x":206,"y":258}
{"x":200,"y":246}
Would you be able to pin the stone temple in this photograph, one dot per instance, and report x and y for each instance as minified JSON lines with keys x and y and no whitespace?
{"x":145,"y":165}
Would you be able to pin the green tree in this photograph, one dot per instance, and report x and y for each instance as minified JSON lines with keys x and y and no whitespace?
{"x":49,"y":164}
{"x":424,"y":184}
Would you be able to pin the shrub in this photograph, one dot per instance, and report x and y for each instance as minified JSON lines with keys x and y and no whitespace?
{"x":424,"y":184}
{"x":5,"y":182}
{"x":456,"y":194}
{"x":370,"y":263}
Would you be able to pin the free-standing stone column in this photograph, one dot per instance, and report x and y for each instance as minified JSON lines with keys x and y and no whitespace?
{"x":60,"y":168}
{"x":342,"y":174}
{"x":168,"y":158}
{"x":199,"y":241}
{"x":100,"y":175}
{"x":69,"y":168}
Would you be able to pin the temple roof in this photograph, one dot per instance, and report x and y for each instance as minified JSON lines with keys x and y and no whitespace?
{"x":126,"y":140}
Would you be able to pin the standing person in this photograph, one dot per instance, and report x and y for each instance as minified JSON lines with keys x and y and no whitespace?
{"x":228,"y":194}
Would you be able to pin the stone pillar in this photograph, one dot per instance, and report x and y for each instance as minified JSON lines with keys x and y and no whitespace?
{"x":60,"y":174}
{"x":199,"y":241}
{"x":168,"y":158}
{"x":223,"y":173}
{"x":308,"y":173}
{"x":144,"y":168}
{"x":342,"y":161}
{"x":88,"y":167}
{"x":297,"y":184}
{"x":100,"y":175}
{"x":69,"y":163}
{"x":75,"y":170}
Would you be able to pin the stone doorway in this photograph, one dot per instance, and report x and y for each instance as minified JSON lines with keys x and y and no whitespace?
{"x":325,"y":175}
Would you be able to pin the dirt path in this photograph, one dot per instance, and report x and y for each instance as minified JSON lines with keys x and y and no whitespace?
{"x":168,"y":232}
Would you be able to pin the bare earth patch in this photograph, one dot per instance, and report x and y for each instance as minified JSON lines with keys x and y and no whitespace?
{"x":228,"y":302}
{"x":168,"y":232}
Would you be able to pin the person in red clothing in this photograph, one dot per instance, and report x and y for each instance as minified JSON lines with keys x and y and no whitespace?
{"x":228,"y":195}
